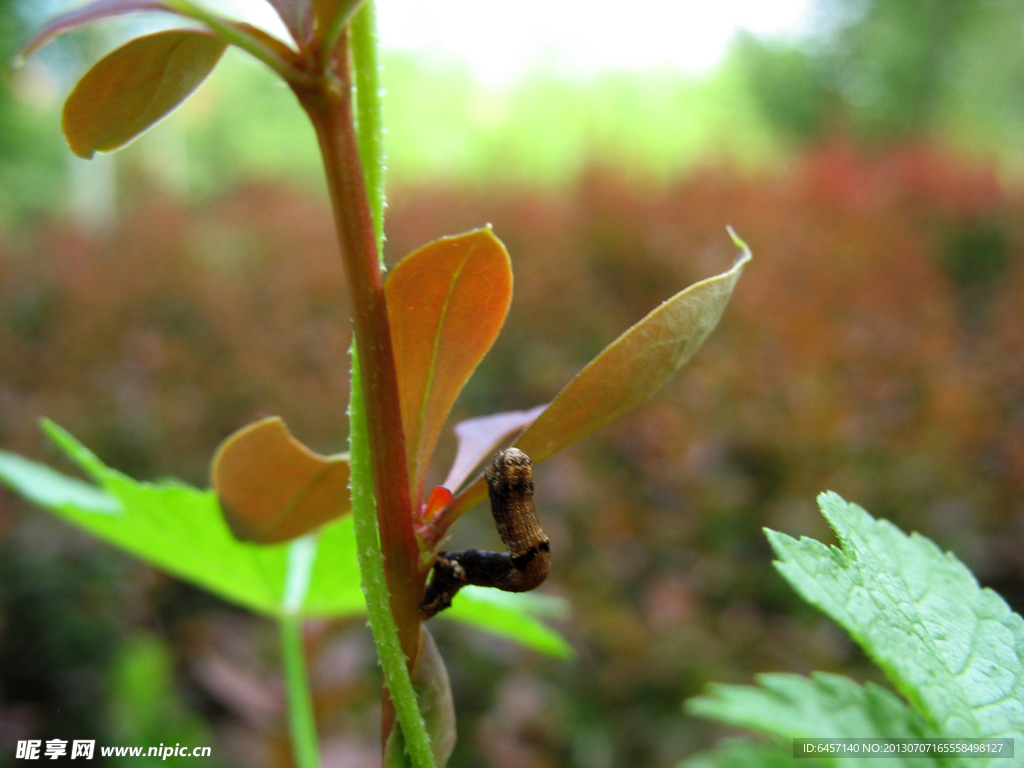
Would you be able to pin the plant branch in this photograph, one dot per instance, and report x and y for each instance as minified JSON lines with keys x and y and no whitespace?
{"x":370,"y":115}
{"x":250,"y":43}
{"x":330,"y":110}
{"x":330,"y":33}
{"x":371,"y":567}
{"x":387,"y":547}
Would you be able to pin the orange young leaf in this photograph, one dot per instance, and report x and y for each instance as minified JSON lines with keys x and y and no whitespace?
{"x":272,"y":488}
{"x":446,"y":304}
{"x":626,"y":373}
{"x":438,"y":499}
{"x":133,"y":87}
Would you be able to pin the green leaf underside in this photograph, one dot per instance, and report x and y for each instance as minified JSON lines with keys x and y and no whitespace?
{"x":954,"y":650}
{"x":824,"y":706}
{"x":135,"y":86}
{"x":742,"y":753}
{"x":181,"y":530}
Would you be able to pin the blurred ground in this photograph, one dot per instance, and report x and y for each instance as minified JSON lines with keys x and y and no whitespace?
{"x":873,"y":347}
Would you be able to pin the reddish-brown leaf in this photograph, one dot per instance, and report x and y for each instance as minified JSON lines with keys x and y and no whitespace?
{"x":446,"y":304}
{"x":295,"y":15}
{"x":87,"y":14}
{"x":625,"y":374}
{"x":133,"y":87}
{"x":272,"y":488}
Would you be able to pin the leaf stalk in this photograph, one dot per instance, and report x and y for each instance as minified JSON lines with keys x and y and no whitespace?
{"x":301,"y":720}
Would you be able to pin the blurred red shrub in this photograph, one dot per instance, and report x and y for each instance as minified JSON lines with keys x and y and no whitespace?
{"x":874,"y":347}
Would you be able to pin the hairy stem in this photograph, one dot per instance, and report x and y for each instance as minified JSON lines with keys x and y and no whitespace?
{"x":371,"y":567}
{"x":387,"y":548}
{"x":330,"y":110}
{"x":370,"y":115}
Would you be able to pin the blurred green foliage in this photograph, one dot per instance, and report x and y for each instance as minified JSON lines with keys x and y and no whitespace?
{"x":31,"y":171}
{"x":884,"y":70}
{"x":878,"y":70}
{"x":145,"y":706}
{"x":848,"y":362}
{"x":443,"y":125}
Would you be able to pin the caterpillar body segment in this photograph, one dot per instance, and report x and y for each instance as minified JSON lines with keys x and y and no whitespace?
{"x":526,"y":563}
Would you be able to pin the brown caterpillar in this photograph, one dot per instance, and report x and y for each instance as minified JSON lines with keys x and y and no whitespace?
{"x":524,"y":566}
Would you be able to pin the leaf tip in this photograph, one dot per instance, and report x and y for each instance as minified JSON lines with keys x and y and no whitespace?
{"x":84,"y":154}
{"x":50,"y":428}
{"x":778,"y":542}
{"x":745,"y":255}
{"x":826,"y":498}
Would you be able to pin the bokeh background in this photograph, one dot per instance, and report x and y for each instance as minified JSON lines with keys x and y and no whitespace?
{"x":154,"y":301}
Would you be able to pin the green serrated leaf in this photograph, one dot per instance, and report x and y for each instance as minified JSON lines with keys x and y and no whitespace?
{"x":181,"y":530}
{"x":954,"y":650}
{"x":743,"y":753}
{"x":52,"y":490}
{"x":824,"y":706}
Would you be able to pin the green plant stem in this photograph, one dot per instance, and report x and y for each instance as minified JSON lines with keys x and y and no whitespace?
{"x":333,"y":28}
{"x":393,"y":661}
{"x":399,"y":696}
{"x":301,"y":722}
{"x":370,"y":115}
{"x":386,"y":544}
